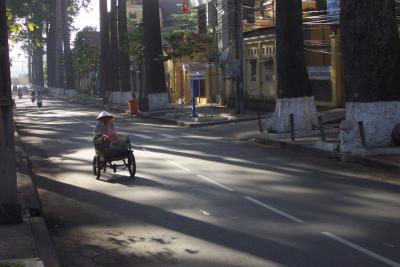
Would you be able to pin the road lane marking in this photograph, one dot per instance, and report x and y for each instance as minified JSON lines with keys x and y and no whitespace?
{"x":215,"y":183}
{"x":169,"y":136}
{"x":143,"y":136}
{"x":361,"y":249}
{"x":282,"y":213}
{"x":179,"y":165}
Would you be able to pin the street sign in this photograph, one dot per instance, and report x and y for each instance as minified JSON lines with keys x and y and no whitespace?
{"x":197,"y":76}
{"x":319,"y":73}
{"x":333,"y":7}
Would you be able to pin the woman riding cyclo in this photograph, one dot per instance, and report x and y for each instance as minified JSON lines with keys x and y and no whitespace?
{"x":106,"y":134}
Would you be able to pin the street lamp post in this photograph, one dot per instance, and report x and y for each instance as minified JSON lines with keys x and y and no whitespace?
{"x":9,"y":208}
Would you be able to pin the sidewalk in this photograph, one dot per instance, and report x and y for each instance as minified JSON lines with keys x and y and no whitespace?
{"x":208,"y":115}
{"x":29,"y":243}
{"x":311,"y":143}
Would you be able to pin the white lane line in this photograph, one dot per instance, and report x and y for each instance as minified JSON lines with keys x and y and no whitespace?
{"x":215,"y":183}
{"x":169,"y":136}
{"x":282,"y":213}
{"x":143,"y":136}
{"x":361,"y":249}
{"x":179,"y":166}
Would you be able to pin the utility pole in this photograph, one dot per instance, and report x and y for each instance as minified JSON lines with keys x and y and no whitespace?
{"x":239,"y":104}
{"x":9,"y":208}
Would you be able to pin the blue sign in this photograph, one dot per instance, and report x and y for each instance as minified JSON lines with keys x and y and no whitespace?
{"x":333,"y":9}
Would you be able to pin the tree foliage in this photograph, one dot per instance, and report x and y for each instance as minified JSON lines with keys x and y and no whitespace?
{"x":86,"y":56}
{"x":185,"y":41}
{"x":187,"y":22}
{"x":136,"y":44}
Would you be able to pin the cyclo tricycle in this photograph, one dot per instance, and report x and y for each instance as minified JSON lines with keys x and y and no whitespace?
{"x":106,"y":157}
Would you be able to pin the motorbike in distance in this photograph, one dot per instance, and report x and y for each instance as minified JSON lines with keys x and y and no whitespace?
{"x":39,"y":101}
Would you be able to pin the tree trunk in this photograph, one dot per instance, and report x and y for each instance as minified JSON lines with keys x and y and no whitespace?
{"x":9,"y":208}
{"x":294,"y":88}
{"x":105,"y":51}
{"x":59,"y":44}
{"x":154,"y":65}
{"x":40,"y":81}
{"x":51,"y":46}
{"x":38,"y":66}
{"x":124,"y":61}
{"x":291,"y":66}
{"x":69,"y":67}
{"x":34,"y":66}
{"x":30,"y":66}
{"x":38,"y":51}
{"x":182,"y":80}
{"x":141,"y":95}
{"x":115,"y":78}
{"x":371,"y":57}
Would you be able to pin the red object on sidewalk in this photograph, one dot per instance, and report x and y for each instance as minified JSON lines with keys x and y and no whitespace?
{"x":133,"y":107}
{"x":185,"y":6}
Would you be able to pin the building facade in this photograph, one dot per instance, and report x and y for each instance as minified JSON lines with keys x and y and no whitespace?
{"x":322,"y":52}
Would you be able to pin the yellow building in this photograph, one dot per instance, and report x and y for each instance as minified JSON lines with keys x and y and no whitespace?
{"x":322,"y":52}
{"x":260,"y":66}
{"x":178,"y":79}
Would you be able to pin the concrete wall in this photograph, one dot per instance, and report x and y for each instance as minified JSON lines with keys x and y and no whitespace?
{"x":120,"y":97}
{"x":56,"y":91}
{"x":158,"y":101}
{"x":71,"y":93}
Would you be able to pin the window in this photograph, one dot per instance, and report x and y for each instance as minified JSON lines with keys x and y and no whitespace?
{"x":253,"y":70}
{"x":269,"y":70}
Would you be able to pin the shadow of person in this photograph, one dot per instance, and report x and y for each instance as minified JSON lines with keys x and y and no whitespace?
{"x":126,"y":180}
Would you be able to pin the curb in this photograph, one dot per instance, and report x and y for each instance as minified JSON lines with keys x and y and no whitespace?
{"x":394,"y":168}
{"x":297,"y":147}
{"x":32,"y":209}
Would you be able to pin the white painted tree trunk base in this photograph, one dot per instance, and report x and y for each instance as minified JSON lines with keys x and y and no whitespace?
{"x":303,"y":109}
{"x":379,"y":119}
{"x":158,"y":101}
{"x":120,"y":97}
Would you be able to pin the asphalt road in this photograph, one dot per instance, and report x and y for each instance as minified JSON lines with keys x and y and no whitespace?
{"x":203,"y":199}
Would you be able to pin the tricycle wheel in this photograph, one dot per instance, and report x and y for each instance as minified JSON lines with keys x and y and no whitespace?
{"x":96,"y":167}
{"x":132,"y":164}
